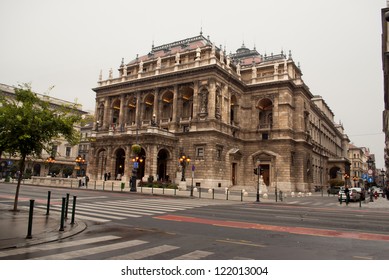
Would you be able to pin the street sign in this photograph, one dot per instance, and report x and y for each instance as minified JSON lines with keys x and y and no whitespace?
{"x":370,"y":179}
{"x":136,"y":164}
{"x":370,"y":172}
{"x":364,"y":176}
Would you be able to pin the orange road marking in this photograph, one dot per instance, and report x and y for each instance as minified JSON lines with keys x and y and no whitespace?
{"x":287,"y":229}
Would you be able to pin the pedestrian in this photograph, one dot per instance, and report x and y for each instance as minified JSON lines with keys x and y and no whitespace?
{"x":109,"y":176}
{"x":105,"y":176}
{"x":347,"y":193}
{"x":86,"y":180}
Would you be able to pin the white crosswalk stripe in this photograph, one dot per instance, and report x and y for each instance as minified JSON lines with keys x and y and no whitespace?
{"x":108,"y":247}
{"x":105,"y":211}
{"x":195,"y":255}
{"x":92,"y":251}
{"x":145,"y":253}
{"x":57,"y":245}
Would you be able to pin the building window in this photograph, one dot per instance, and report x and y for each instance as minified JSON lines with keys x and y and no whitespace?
{"x":54,"y":150}
{"x":200,"y":152}
{"x":68,"y":151}
{"x":265,"y":136}
{"x":219,"y":153}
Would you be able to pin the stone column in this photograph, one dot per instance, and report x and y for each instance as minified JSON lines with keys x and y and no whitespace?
{"x":106,"y":113}
{"x":195,"y":99}
{"x":121,"y":113}
{"x":212,"y":100}
{"x":175,"y":105}
{"x":138,"y":110}
{"x":127,"y":164}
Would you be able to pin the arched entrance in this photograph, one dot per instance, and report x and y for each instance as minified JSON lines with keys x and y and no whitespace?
{"x":36,"y":170}
{"x":335,"y":172}
{"x":162,"y":165}
{"x":120,"y":161}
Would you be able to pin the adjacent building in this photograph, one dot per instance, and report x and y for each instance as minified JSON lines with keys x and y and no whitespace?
{"x":228,"y":113}
{"x":385,"y":68}
{"x":61,"y":159}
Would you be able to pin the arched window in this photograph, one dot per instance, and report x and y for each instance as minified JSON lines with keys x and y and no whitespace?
{"x":265,"y":113}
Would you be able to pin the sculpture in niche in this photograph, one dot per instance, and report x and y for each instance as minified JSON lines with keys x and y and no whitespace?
{"x":204,"y":101}
{"x":177,"y":58}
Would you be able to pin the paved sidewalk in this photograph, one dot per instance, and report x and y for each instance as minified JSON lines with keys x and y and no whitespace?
{"x":14,"y":227}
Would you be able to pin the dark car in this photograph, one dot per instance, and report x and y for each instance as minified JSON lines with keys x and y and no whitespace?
{"x":334,"y":190}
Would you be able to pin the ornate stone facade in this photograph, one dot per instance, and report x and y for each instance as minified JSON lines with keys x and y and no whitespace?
{"x":227,"y":113}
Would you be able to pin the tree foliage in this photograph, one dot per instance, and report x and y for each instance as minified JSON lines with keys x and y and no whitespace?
{"x":29,"y":124}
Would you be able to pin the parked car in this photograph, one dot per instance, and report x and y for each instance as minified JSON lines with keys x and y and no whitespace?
{"x":376,"y":189}
{"x":333,"y":190}
{"x":355,"y":194}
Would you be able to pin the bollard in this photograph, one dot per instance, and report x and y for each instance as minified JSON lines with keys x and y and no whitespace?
{"x":340,"y":200}
{"x":103,"y":185}
{"x":281,"y":198}
{"x":67,"y":206}
{"x":95,"y":184}
{"x":112,"y":186}
{"x":73,"y":209}
{"x":241,"y":195}
{"x":30,"y":215}
{"x":276,"y":195}
{"x":199,"y":192}
{"x":163,"y":189}
{"x":48,"y":203}
{"x":227,"y":194}
{"x":175,"y":191}
{"x":213,"y":193}
{"x":61,"y":228}
{"x":360,"y":202}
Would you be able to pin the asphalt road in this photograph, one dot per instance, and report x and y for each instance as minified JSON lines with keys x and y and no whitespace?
{"x":136,"y":226}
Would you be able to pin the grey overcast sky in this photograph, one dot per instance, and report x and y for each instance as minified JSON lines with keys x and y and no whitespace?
{"x":337,"y":43}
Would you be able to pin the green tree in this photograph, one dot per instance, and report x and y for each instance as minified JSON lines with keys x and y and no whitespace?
{"x":28,"y":124}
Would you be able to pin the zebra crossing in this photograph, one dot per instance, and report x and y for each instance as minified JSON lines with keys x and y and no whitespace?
{"x":106,"y":211}
{"x":97,"y":248}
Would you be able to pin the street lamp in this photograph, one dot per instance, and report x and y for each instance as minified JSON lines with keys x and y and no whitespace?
{"x":257,"y":171}
{"x":355,"y":179}
{"x":50,"y":160}
{"x":79,"y":161}
{"x":383,"y":177}
{"x":184,"y":160}
{"x":346,"y":179}
{"x":136,"y":160}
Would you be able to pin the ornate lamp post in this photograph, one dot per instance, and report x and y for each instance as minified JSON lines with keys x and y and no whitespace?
{"x":383,"y":177}
{"x":79,"y":162}
{"x":346,"y":179}
{"x":184,"y":160}
{"x":50,"y":160}
{"x":257,"y":171}
{"x":355,"y":179}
